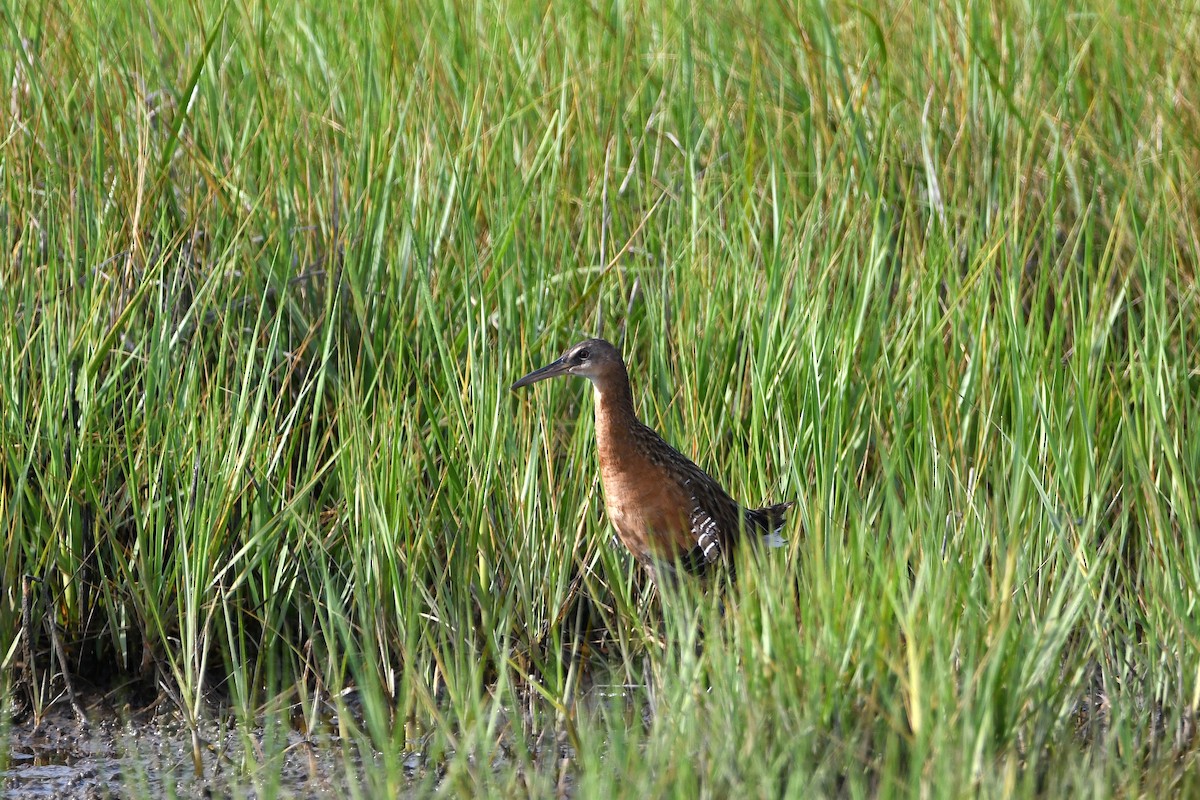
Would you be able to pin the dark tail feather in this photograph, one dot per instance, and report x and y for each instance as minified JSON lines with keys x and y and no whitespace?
{"x":769,"y":521}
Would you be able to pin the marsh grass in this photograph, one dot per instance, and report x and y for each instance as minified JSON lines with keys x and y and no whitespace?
{"x":929,"y":271}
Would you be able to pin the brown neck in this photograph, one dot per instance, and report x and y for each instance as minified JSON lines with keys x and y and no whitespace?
{"x":614,"y":399}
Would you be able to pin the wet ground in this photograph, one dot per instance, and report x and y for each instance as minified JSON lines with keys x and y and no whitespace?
{"x":152,"y":754}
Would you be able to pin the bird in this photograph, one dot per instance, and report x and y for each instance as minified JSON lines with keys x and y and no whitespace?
{"x":668,"y":512}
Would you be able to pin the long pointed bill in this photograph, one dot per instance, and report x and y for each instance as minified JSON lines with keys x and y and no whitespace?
{"x":551,"y":370}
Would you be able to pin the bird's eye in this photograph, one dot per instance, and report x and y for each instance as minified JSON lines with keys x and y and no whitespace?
{"x":583,"y":355}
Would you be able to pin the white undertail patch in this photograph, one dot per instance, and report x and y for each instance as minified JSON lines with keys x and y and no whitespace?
{"x":773,"y":540}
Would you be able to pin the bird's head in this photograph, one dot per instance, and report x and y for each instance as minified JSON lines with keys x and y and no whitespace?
{"x":594,"y":359}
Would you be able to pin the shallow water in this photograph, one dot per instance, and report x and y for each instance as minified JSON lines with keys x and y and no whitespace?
{"x":153,"y":756}
{"x":151,"y":753}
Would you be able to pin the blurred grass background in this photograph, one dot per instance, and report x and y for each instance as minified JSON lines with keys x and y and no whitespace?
{"x":929,"y":270}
